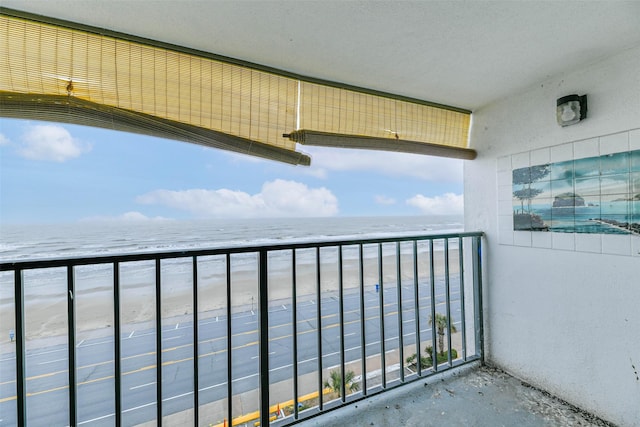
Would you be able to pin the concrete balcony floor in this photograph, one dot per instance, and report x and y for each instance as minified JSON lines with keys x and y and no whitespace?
{"x":475,"y":396}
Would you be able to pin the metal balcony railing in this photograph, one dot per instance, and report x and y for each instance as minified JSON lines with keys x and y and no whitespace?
{"x":267,"y":334}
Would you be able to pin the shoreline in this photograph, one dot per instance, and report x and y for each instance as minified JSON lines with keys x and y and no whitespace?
{"x":632,"y":228}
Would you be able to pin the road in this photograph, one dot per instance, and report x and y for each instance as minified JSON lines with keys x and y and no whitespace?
{"x":47,"y":378}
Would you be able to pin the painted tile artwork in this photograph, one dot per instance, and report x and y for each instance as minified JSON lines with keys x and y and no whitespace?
{"x":589,"y":195}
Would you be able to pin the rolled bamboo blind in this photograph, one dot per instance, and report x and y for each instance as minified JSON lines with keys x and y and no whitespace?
{"x":57,"y":72}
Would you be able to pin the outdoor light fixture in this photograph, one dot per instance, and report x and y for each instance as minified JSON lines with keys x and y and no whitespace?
{"x":571,"y":109}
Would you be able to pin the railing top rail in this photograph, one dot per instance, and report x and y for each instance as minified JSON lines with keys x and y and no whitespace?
{"x":10,"y":265}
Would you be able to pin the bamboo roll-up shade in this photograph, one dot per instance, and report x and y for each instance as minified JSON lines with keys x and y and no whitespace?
{"x":113,"y":80}
{"x":46,"y":59}
{"x":342,"y":111}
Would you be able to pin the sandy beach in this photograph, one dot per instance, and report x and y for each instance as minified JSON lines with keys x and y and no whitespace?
{"x":46,"y":315}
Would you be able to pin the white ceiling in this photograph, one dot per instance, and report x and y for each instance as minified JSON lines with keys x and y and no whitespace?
{"x":460,"y":53}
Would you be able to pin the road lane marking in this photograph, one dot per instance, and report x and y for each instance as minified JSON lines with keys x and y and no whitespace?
{"x":177,"y":396}
{"x":96,"y":419}
{"x":212,"y":386}
{"x":142,"y":385}
{"x":35,"y":354}
{"x":53,"y":361}
{"x":325,"y":327}
{"x":270,"y":354}
{"x":172,"y":362}
{"x":92,"y":365}
{"x":131,"y":334}
{"x":314,"y":330}
{"x":97,"y":343}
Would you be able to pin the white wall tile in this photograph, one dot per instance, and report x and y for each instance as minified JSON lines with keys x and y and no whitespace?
{"x":505,"y":192}
{"x":615,"y":143}
{"x":520,"y":160}
{"x":522,"y":238}
{"x":634,"y":139}
{"x":586,"y":148}
{"x":586,"y":242}
{"x":563,"y":241}
{"x":504,"y":164}
{"x":505,"y":230}
{"x":540,"y":157}
{"x":562,"y":153}
{"x":504,"y":178}
{"x":541,"y":239}
{"x":505,"y":207}
{"x":616,"y":244}
{"x":505,"y":222}
{"x":635,"y":245}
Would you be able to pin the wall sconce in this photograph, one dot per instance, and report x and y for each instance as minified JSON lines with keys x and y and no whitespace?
{"x":571,"y":109}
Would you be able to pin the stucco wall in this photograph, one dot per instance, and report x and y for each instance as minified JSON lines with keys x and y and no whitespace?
{"x":562,"y":310}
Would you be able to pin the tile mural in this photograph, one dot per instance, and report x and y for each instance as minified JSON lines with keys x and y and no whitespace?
{"x":589,"y":195}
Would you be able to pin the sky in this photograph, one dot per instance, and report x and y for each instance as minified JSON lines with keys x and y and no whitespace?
{"x":54,"y":173}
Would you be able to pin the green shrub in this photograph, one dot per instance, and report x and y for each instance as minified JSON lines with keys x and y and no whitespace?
{"x":425,"y":361}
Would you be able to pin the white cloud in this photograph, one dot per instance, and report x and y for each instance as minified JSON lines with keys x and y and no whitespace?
{"x":429,"y":168}
{"x":319,"y":173}
{"x":51,"y":143}
{"x":384,"y":200}
{"x":278,"y":198}
{"x":240,"y":157}
{"x":4,"y":140}
{"x":132,"y":216}
{"x":447,"y":204}
{"x":324,"y":159}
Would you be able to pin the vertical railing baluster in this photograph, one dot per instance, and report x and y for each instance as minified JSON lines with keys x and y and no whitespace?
{"x":158,"y":342}
{"x":435,"y":284}
{"x":117,"y":348}
{"x":477,"y":293}
{"x":447,"y":297}
{"x":463,"y":320}
{"x":196,"y":344}
{"x":319,"y":328}
{"x":294,"y":320}
{"x":71,"y":345}
{"x":363,"y":341}
{"x":416,"y":305}
{"x":399,"y":299}
{"x":383,"y":362}
{"x":229,"y":343}
{"x":343,"y":387}
{"x":432,"y":280}
{"x":21,"y":379}
{"x":263,"y":343}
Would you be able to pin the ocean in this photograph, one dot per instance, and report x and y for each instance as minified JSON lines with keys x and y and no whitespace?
{"x":30,"y":242}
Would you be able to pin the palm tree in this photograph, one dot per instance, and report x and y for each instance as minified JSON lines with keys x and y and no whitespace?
{"x":334,"y":382}
{"x":441,"y":326}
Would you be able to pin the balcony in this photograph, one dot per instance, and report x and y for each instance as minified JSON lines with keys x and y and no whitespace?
{"x":314,"y":332}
